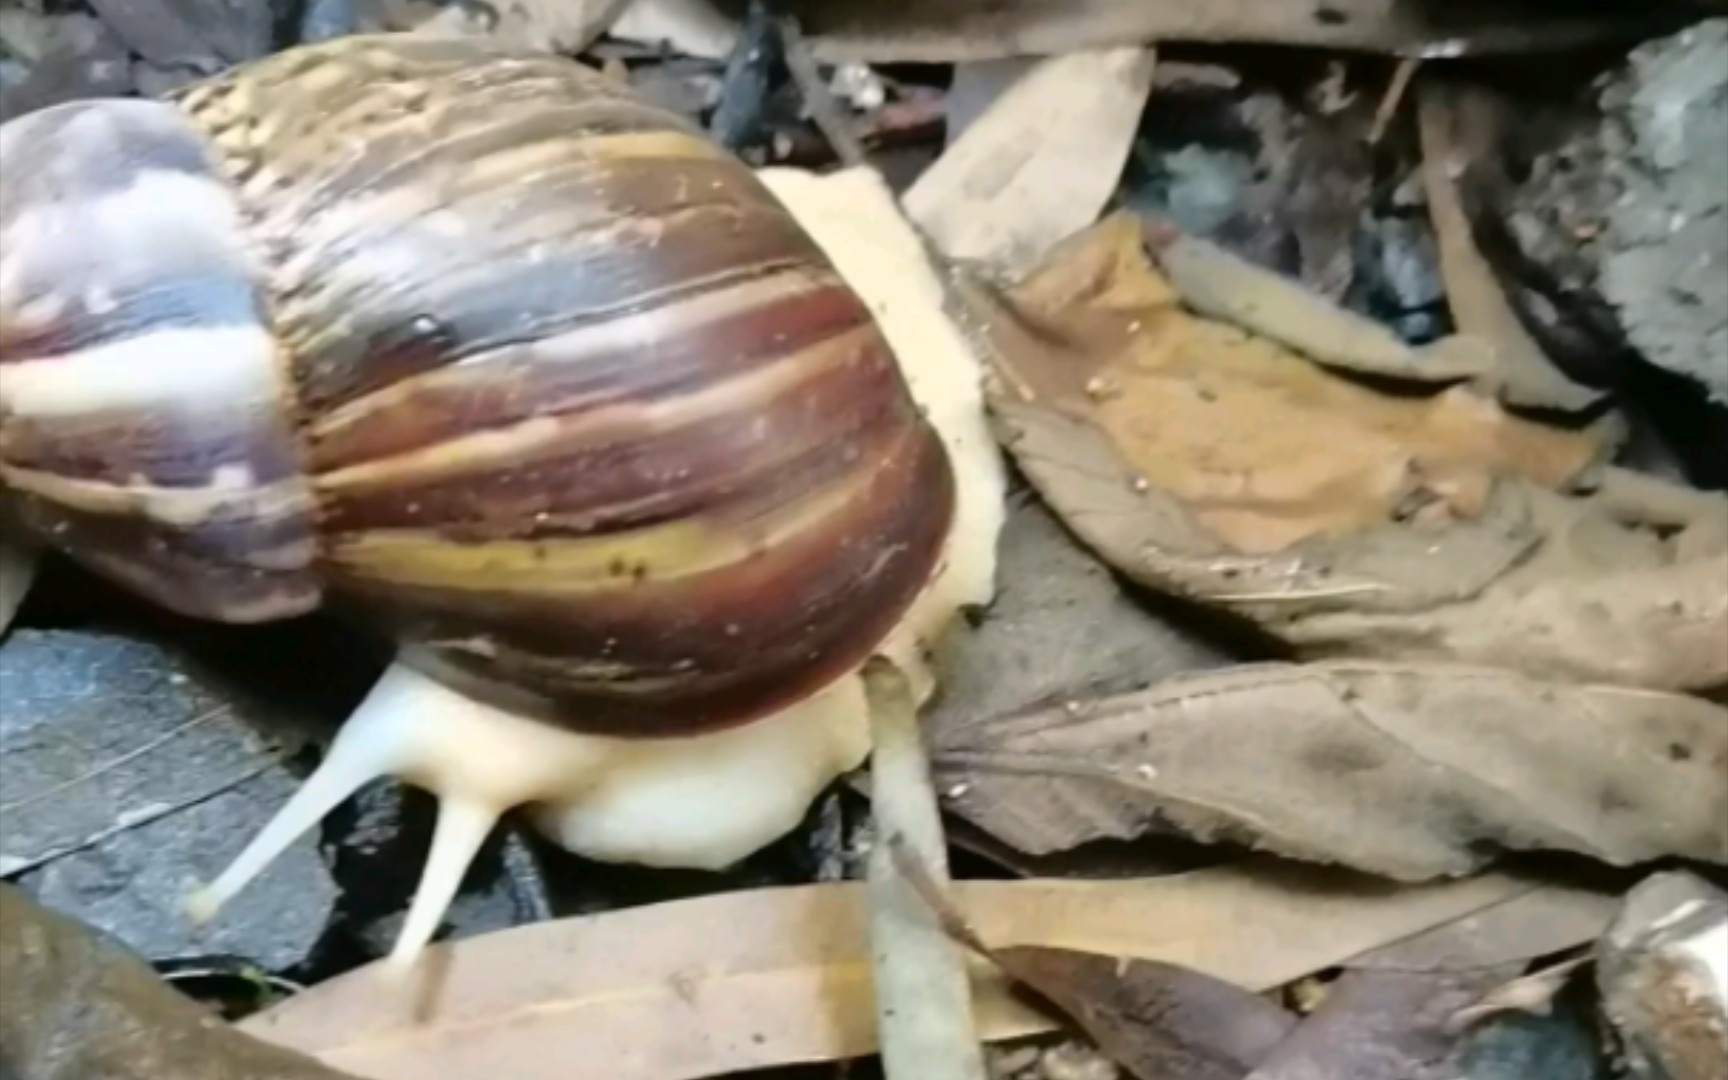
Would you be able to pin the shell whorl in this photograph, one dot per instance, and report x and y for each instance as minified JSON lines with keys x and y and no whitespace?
{"x":139,"y":420}
{"x":589,"y":421}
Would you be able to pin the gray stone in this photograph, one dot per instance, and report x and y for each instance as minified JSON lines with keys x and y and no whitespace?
{"x":127,"y":773}
{"x":1666,"y":235}
{"x":1662,"y":970}
{"x":134,"y":884}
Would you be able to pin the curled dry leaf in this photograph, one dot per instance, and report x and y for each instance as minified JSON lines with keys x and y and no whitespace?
{"x":755,"y":980}
{"x":1410,"y":771}
{"x":1227,"y":468}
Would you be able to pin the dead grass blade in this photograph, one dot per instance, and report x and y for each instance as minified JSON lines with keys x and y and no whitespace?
{"x":1524,"y":375}
{"x":922,"y":995}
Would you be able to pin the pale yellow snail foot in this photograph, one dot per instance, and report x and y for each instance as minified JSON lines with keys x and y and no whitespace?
{"x":702,"y":801}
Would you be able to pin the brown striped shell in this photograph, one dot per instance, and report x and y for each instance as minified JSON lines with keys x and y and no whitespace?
{"x":564,"y":398}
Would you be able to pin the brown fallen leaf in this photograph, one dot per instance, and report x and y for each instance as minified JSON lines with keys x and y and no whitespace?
{"x":1223,"y":467}
{"x":1263,"y":448}
{"x":1626,"y":588}
{"x":755,"y":980}
{"x":1156,"y":1020}
{"x":1410,"y":771}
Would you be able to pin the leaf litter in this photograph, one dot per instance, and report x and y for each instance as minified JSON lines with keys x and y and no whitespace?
{"x":1405,"y":770}
{"x":758,"y":979}
{"x":1418,"y":520}
{"x":1217,"y":433}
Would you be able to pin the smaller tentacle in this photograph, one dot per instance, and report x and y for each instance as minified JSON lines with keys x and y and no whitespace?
{"x":463,"y":826}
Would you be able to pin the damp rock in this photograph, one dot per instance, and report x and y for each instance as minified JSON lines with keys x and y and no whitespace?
{"x":130,"y":772}
{"x":53,"y":59}
{"x":134,"y":884}
{"x":1561,"y":1043}
{"x":1662,"y":971}
{"x":1666,"y":235}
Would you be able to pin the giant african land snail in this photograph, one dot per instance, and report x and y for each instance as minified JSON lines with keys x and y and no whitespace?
{"x":532,"y":377}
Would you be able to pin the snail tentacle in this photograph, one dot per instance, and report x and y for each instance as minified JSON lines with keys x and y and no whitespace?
{"x":463,"y":826}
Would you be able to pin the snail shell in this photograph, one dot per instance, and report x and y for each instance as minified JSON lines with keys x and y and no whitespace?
{"x":532,"y":374}
{"x":525,"y":373}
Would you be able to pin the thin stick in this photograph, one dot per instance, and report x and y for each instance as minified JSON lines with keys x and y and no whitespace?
{"x":823,"y":108}
{"x":1394,"y":97}
{"x":923,"y":993}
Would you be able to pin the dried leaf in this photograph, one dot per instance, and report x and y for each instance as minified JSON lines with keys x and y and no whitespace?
{"x":1411,"y":771}
{"x":893,"y":31}
{"x":754,"y":980}
{"x":78,"y":1006}
{"x":1263,"y":448}
{"x":1603,"y":598}
{"x":1224,"y":468}
{"x":1040,"y":163}
{"x":1524,"y":375}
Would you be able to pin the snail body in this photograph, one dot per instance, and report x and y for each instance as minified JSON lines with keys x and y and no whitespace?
{"x":526,"y":374}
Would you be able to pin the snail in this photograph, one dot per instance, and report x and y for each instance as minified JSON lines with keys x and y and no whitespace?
{"x":531,"y":379}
